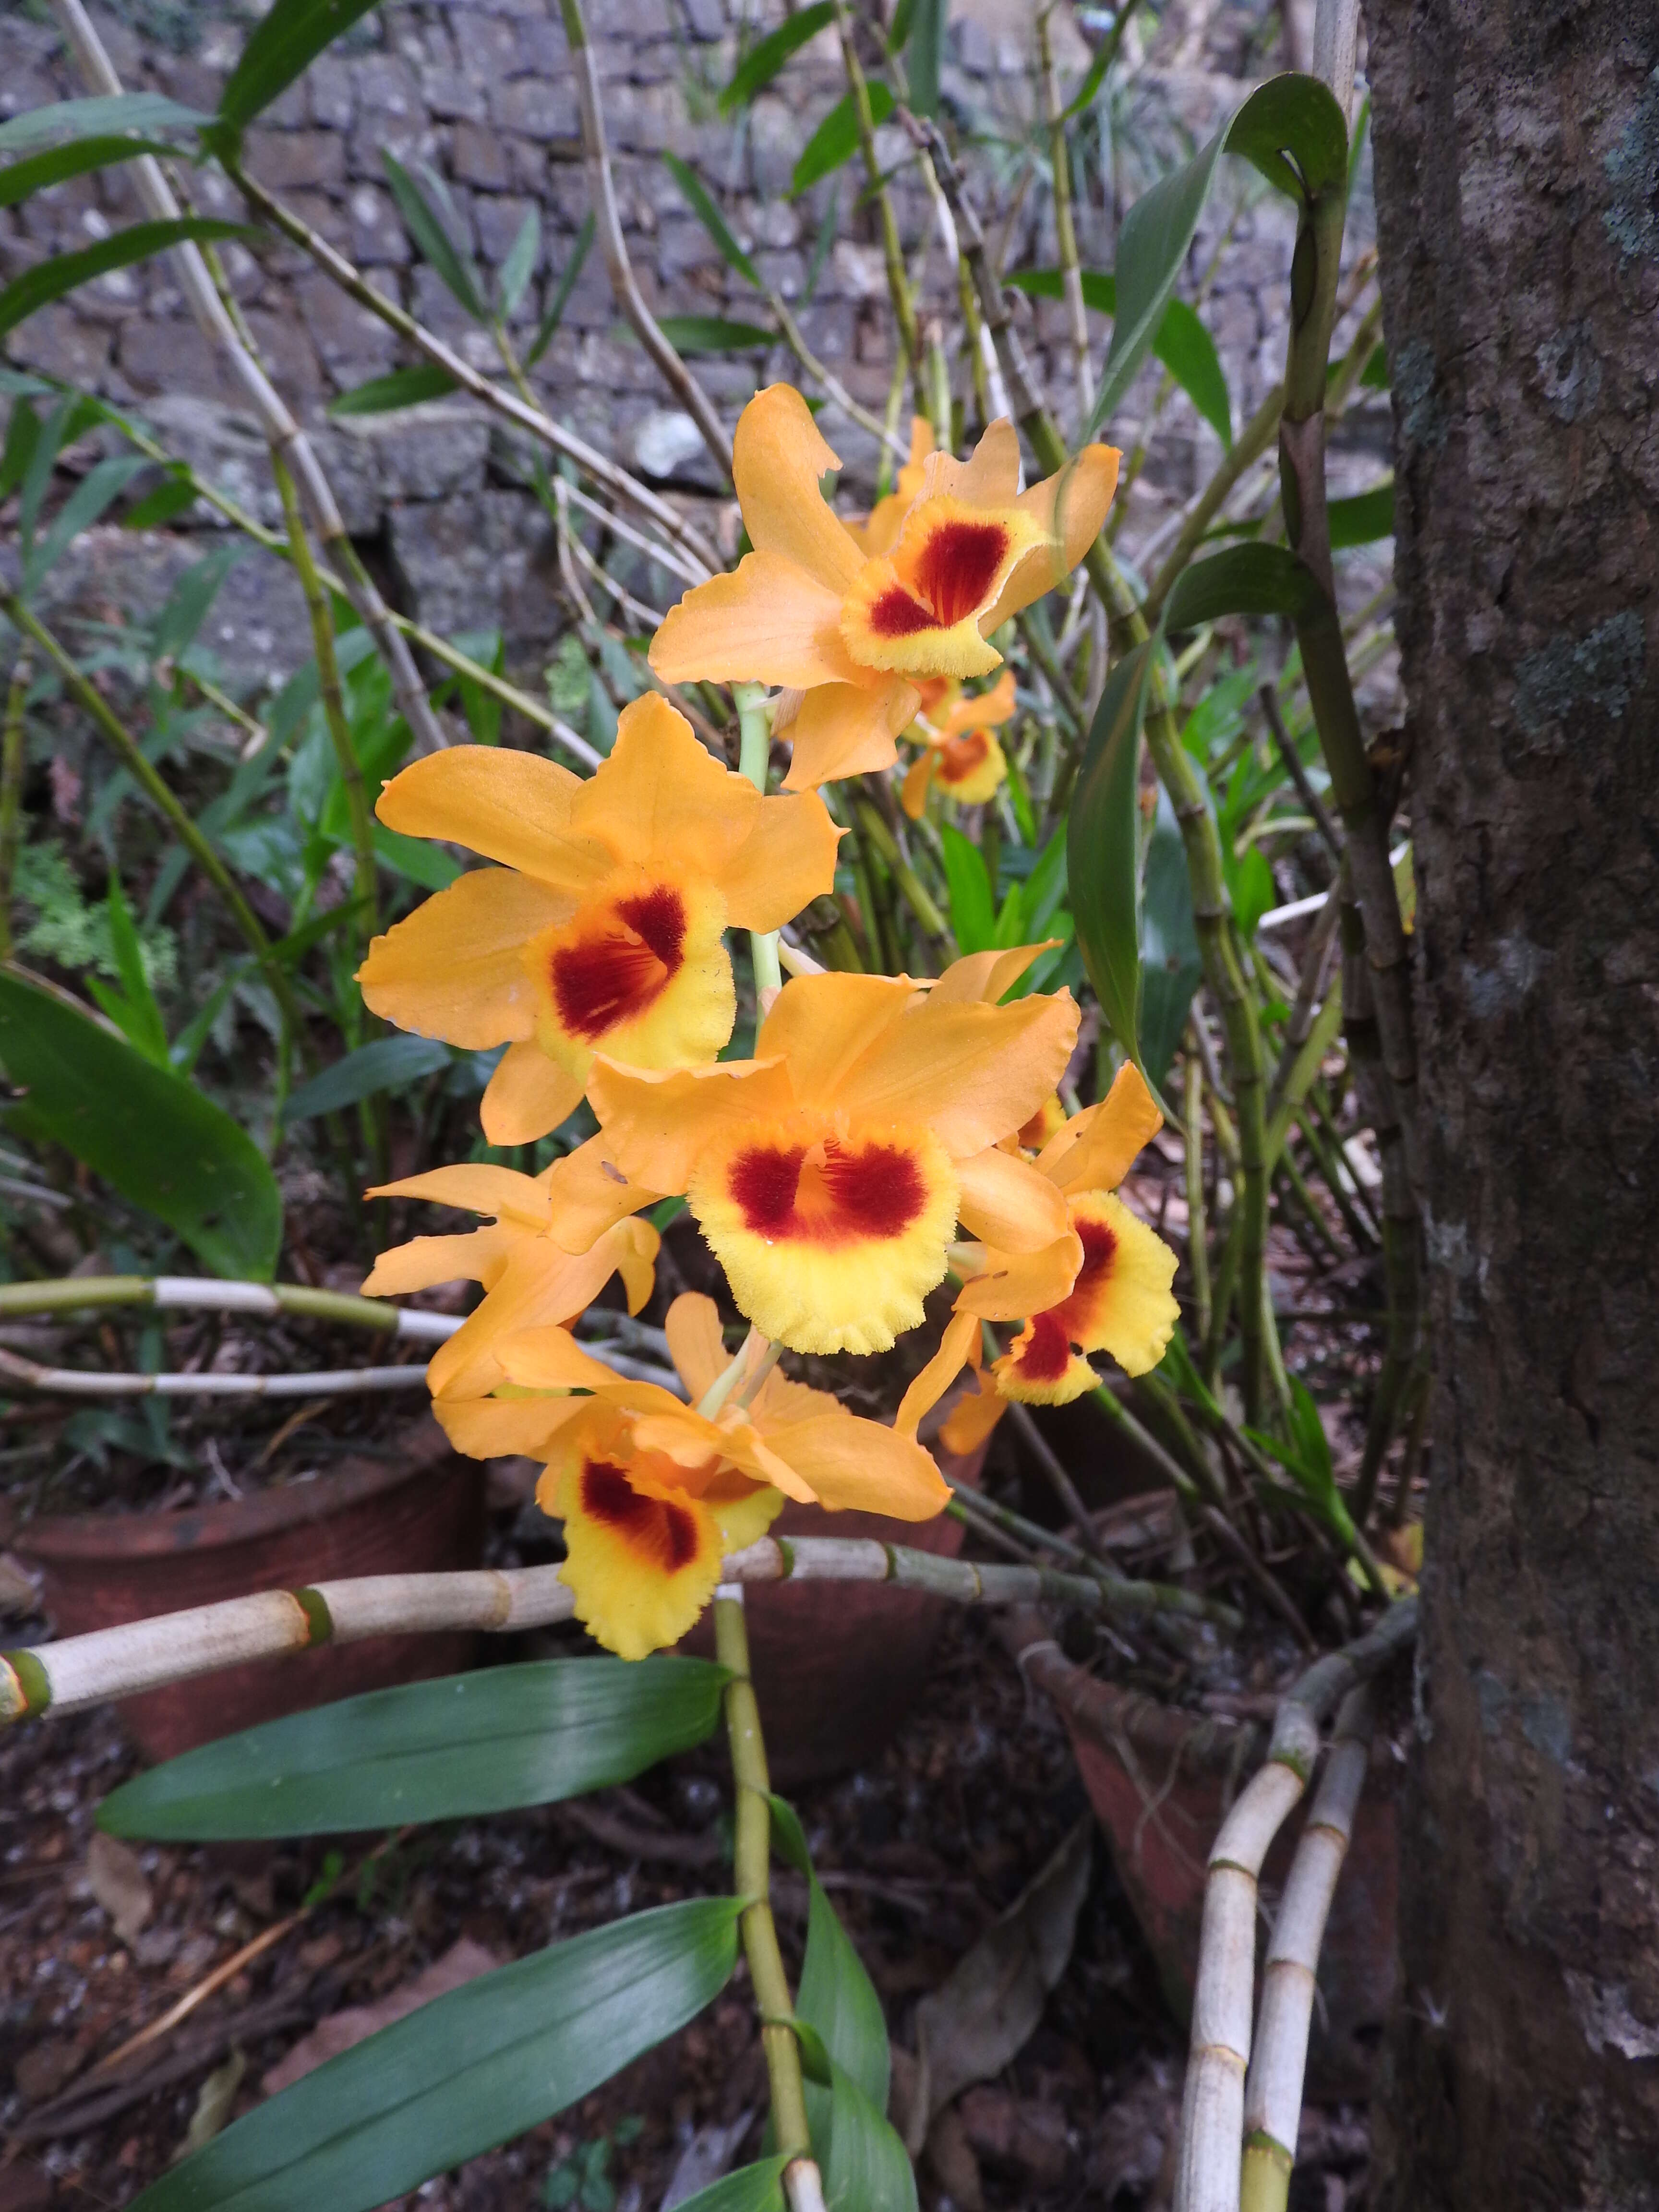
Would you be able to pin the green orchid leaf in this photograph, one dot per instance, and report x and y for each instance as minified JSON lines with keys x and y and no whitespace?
{"x":1102,"y":847}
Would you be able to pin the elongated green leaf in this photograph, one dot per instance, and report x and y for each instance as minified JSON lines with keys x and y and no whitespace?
{"x":1181,"y":343}
{"x":64,"y":272}
{"x":973,"y":911}
{"x":171,"y":497}
{"x":450,"y":1750}
{"x":382,"y":1066}
{"x":1085,"y":96}
{"x":1151,"y":251}
{"x":1245,"y":580}
{"x":286,"y":43}
{"x":466,"y":2072}
{"x":425,"y":226}
{"x":712,"y":334}
{"x":148,"y":1031}
{"x":404,"y":387}
{"x":96,"y":490}
{"x":863,"y":2161}
{"x":1171,"y":964}
{"x":157,"y":1139}
{"x":1103,"y":847}
{"x":68,"y":119}
{"x":1306,"y":1457}
{"x":837,"y":137}
{"x":758,"y":2188}
{"x":1375,"y":374}
{"x":1292,"y":130}
{"x":761,"y":62}
{"x":188,"y":602}
{"x":20,"y":179}
{"x":561,"y":300}
{"x":711,"y":218}
{"x":519,"y":265}
{"x":1363,"y":519}
{"x":923,"y":54}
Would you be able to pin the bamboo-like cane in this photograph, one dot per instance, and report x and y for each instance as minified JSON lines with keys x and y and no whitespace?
{"x":195,"y":1293}
{"x":1208,"y":2160}
{"x":1272,"y":2089}
{"x":142,"y":1654}
{"x":285,"y":434}
{"x":21,"y":1374}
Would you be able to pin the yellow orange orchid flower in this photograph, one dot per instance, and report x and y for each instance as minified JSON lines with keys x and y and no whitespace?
{"x":850,"y":634}
{"x":652,"y":1494}
{"x":961,"y":752}
{"x":1120,"y":1300}
{"x":604,"y":928}
{"x":528,"y":1276}
{"x":827,"y":1174}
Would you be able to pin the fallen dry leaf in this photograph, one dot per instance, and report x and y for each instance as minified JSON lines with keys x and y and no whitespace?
{"x":17,"y":1590}
{"x":463,"y":1962}
{"x":120,"y":1885}
{"x":968,"y":2030}
{"x":215,"y":2101}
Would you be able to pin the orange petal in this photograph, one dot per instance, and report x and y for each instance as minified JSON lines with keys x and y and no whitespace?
{"x":588,"y":1194}
{"x":957,"y":1347}
{"x":913,"y":795}
{"x":787,"y":859}
{"x":1096,"y":1148}
{"x":847,"y":729}
{"x":540,"y":1284}
{"x":767,"y":623}
{"x":695,"y":1343}
{"x":972,"y":1073}
{"x":989,"y":477}
{"x":1040,"y":1367}
{"x":1012,"y":1285}
{"x":987,"y":975}
{"x":527,"y":1095}
{"x":1121,"y":1302}
{"x":505,"y":1428}
{"x":477,"y":1256}
{"x":1070,"y":507}
{"x":1007,"y":1204}
{"x":550,"y":1358}
{"x":972,"y":1419}
{"x":509,"y":805}
{"x":454,"y":967}
{"x":661,"y":793}
{"x":823,"y":1024}
{"x":850,"y":1464}
{"x":985,"y":710}
{"x":480,"y":1188}
{"x":654,"y":1122}
{"x":778,"y":457}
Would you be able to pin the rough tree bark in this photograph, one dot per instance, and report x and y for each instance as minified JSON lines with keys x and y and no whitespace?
{"x":1518,"y":181}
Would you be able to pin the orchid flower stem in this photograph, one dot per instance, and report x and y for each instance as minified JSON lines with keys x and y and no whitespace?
{"x":917,"y":897}
{"x":748,"y":1389}
{"x":754,"y":755}
{"x":730,"y":1376}
{"x":898,"y":281}
{"x":13,"y":761}
{"x":1198,"y":1248}
{"x":752,"y":1854}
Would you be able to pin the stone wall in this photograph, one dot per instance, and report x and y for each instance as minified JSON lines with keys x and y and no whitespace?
{"x":481,"y":91}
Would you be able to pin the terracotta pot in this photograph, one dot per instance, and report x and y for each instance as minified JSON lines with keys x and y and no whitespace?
{"x":421,"y":1510}
{"x":1160,"y":1780}
{"x":837,"y":1666}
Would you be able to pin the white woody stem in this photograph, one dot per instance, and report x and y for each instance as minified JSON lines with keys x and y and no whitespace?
{"x":1273,"y":2091}
{"x":22,"y":1374}
{"x":1209,"y":2158}
{"x":118,"y":1663}
{"x":1335,"y":45}
{"x":283,"y":433}
{"x":194,"y":1293}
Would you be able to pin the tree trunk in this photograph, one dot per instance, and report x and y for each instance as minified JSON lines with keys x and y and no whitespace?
{"x":1517,"y":186}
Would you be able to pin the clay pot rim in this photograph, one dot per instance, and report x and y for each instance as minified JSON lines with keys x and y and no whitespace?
{"x":69,"y":1537}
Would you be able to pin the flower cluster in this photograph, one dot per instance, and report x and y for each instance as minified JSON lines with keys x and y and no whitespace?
{"x":886,"y":1133}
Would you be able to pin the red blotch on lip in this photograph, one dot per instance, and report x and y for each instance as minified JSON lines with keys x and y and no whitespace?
{"x":960,"y":757}
{"x":894,"y":613}
{"x":663,"y":1532}
{"x":1099,"y":1244}
{"x":958,"y":566}
{"x":874,"y":1191}
{"x":619,"y":971}
{"x":1046,"y":1358}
